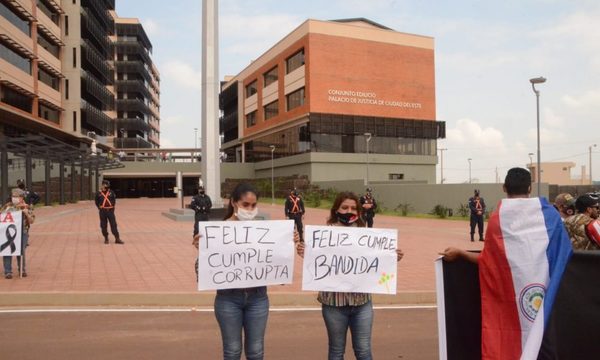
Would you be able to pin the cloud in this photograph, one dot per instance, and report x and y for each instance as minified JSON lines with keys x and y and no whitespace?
{"x":469,"y":133}
{"x":182,"y":73}
{"x":151,"y":26}
{"x":587,"y":99}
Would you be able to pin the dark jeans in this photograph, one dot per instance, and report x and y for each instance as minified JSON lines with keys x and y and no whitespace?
{"x":369,"y":220}
{"x":108,"y":216}
{"x":359,"y":319}
{"x":477,"y":220}
{"x":247,"y":310}
{"x":7,"y":260}
{"x":197,"y":218}
{"x":298,"y":222}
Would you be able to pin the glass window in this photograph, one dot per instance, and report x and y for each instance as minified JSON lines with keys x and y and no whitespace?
{"x":295,"y":99}
{"x":44,"y":42}
{"x":16,"y":99}
{"x":295,"y":61}
{"x":271,"y":110}
{"x":396,"y":176}
{"x":49,"y":114}
{"x":46,"y":9}
{"x":14,"y":58}
{"x":15,"y":19}
{"x":48,"y":79}
{"x":251,"y":89}
{"x":251,"y":119}
{"x":270,"y":76}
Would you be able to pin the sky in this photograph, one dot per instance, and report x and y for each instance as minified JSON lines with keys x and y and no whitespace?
{"x":485,"y":54}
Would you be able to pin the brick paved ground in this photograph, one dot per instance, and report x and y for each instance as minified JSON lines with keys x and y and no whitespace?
{"x":67,"y":253}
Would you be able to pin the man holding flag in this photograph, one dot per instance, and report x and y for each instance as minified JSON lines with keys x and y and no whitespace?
{"x":520,"y":268}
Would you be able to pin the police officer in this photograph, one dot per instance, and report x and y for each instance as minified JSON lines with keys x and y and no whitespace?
{"x":105,"y":202}
{"x":294,"y":210}
{"x":201,"y":204}
{"x":477,"y":207}
{"x":369,"y":206}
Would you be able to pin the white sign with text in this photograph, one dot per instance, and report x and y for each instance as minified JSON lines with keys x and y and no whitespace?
{"x":350,"y":259}
{"x":243,"y":254}
{"x":10,"y":233}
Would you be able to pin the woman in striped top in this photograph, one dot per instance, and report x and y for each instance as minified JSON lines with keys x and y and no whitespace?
{"x":347,"y":310}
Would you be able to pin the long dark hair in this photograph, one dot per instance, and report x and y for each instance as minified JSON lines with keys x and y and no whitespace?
{"x":336,"y":205}
{"x":240,"y":190}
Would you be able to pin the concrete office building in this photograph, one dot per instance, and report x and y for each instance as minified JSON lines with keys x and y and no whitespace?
{"x":138,"y":89}
{"x":57,"y":96}
{"x":312,"y":100}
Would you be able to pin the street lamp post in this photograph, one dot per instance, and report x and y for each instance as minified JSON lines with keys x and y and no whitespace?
{"x":195,"y":142}
{"x":272,"y":176}
{"x":442,"y":164}
{"x":122,"y":130}
{"x":530,"y":160}
{"x":538,"y":80}
{"x":368,"y":139}
{"x":591,"y":181}
{"x":469,"y":160}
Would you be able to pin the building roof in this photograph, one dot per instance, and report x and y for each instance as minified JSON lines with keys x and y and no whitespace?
{"x":361,"y":19}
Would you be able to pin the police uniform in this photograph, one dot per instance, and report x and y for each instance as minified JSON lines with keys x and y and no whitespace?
{"x":294,"y":210}
{"x":201,"y":204}
{"x":368,"y":214}
{"x":477,"y":207}
{"x":105,"y":202}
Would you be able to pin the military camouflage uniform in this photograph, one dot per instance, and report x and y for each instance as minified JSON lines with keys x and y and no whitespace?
{"x":576,"y":227}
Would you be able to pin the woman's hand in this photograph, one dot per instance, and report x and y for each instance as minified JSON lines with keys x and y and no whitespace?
{"x":452,"y":253}
{"x":399,"y":254}
{"x":296,"y":237}
{"x":196,"y":240}
{"x":300,"y":249}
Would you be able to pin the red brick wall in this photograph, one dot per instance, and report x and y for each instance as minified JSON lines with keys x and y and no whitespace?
{"x":390,"y":73}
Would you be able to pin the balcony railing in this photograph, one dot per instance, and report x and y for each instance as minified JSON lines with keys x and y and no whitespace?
{"x":97,"y":61}
{"x":134,"y":67}
{"x":133,"y":48}
{"x":103,"y":125}
{"x":101,"y":13}
{"x":98,"y":90}
{"x":133,"y":86}
{"x":133,"y":105}
{"x":93,"y":31}
{"x":137,"y":143}
{"x":136,"y":124}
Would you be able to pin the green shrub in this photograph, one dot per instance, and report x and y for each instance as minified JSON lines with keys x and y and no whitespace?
{"x":440,"y":211}
{"x":463,"y":210}
{"x":313,"y":198}
{"x":404,"y":208}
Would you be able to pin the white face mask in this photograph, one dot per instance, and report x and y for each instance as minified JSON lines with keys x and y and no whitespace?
{"x":245,"y":215}
{"x":16,"y":200}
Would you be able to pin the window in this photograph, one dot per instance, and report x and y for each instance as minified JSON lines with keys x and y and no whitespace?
{"x":67,"y":89}
{"x":15,"y":19}
{"x":271,"y":110}
{"x":46,"y":9}
{"x":251,"y":119}
{"x":270,"y":76}
{"x":396,"y":176}
{"x":295,"y":61}
{"x":49,"y":114}
{"x":251,"y":89}
{"x":48,"y":78}
{"x":66,"y":25}
{"x":16,"y":99}
{"x":295,"y":99}
{"x":44,"y":42}
{"x":74,"y":57}
{"x":14,"y":58}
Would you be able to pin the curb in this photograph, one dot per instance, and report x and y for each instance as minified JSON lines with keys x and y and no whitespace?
{"x":196,"y":299}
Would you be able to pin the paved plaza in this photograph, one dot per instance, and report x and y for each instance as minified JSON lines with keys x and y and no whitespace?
{"x":68,"y":264}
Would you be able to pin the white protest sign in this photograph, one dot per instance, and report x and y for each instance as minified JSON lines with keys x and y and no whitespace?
{"x":242,"y":254}
{"x":10,"y":233}
{"x":350,"y":259}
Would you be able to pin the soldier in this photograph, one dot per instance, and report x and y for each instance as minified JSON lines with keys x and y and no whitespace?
{"x":477,"y":207}
{"x":105,"y":202}
{"x":369,"y":206}
{"x":201,"y":204}
{"x":294,"y":210}
{"x":583,"y":227}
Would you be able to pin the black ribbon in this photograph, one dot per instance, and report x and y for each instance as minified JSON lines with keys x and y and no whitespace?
{"x":10,"y":238}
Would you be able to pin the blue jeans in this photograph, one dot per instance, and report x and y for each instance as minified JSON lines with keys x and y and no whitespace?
{"x":360,"y":321}
{"x":247,"y":309}
{"x":7,"y":260}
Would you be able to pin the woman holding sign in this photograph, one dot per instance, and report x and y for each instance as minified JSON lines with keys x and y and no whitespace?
{"x":347,"y":310}
{"x":244,"y":309}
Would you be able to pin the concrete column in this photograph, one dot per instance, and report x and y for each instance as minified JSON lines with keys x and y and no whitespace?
{"x":5,"y":193}
{"x":211,"y":169}
{"x":73,"y":181}
{"x":62,"y":182}
{"x":90,"y":182}
{"x":47,"y":182}
{"x":82,"y":182}
{"x":28,"y":171}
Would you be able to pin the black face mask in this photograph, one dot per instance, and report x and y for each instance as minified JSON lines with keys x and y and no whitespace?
{"x":346,"y":219}
{"x":201,"y":192}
